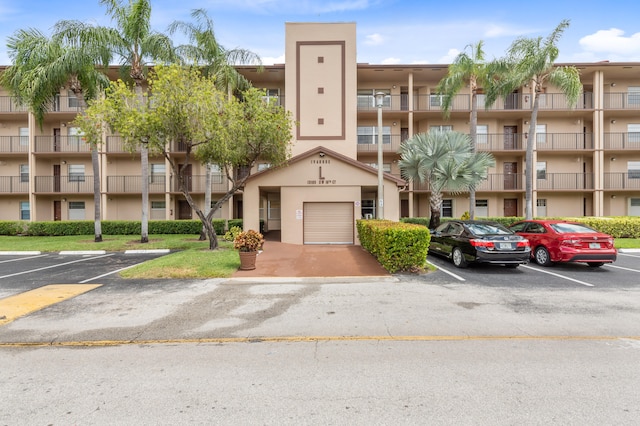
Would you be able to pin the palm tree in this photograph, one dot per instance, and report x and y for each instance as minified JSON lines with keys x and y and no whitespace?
{"x":135,"y":45}
{"x":42,"y":65}
{"x":531,"y":61}
{"x":446,"y":161}
{"x":472,"y":69}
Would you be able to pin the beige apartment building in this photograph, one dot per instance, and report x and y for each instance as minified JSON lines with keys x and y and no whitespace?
{"x":587,"y":158}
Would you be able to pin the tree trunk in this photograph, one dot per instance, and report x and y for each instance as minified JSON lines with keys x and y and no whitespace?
{"x":207,"y":199}
{"x":435,"y":203}
{"x":474,"y":141}
{"x":97,"y":224}
{"x":144,"y":160}
{"x":529,"y":169}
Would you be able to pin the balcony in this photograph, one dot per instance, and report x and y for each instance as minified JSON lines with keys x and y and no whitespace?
{"x":67,"y":144}
{"x":133,"y":184}
{"x":493,"y":182}
{"x":197,"y":184}
{"x":116,"y":145}
{"x":369,"y":143}
{"x":622,"y":141}
{"x":64,"y":184}
{"x":14,"y":184}
{"x":14,"y":144}
{"x":564,"y":141}
{"x":515,"y":101}
{"x":565,"y":181}
{"x":621,"y":180}
{"x":625,"y":101}
{"x":10,"y":104}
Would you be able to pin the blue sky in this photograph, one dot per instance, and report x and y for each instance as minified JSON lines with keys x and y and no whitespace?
{"x":388,"y":31}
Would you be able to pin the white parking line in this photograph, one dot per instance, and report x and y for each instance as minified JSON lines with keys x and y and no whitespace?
{"x":53,"y":266}
{"x":110,"y":273}
{"x":21,"y":258}
{"x":621,"y":267}
{"x":558,"y":275}
{"x":458,"y":277}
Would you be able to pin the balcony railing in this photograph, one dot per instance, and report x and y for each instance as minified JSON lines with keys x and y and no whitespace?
{"x":14,"y":184}
{"x":493,"y":182}
{"x":515,"y":101}
{"x":10,"y":104}
{"x":64,"y":184}
{"x":621,"y":180}
{"x":622,"y":140}
{"x":622,"y":100}
{"x":46,"y":144}
{"x":17,"y":144}
{"x":197,"y":183}
{"x":564,"y":141}
{"x":133,"y":184}
{"x":553,"y":181}
{"x":390,"y":143}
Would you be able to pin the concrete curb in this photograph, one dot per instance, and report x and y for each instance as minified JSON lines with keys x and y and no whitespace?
{"x":636,"y":250}
{"x":147,"y":251}
{"x":82,"y":252}
{"x":20,"y":253}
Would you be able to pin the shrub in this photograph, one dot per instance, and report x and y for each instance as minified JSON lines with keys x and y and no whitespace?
{"x":248,"y":241}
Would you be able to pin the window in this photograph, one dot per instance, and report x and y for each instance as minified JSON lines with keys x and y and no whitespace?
{"x":25,"y":213}
{"x":74,"y":103}
{"x":368,"y":135}
{"x":634,"y":95}
{"x":386,"y":167}
{"x":24,"y":136}
{"x":273,"y":208}
{"x":367,"y":98}
{"x":216,"y":175}
{"x":541,"y":204}
{"x":76,"y":210}
{"x":435,"y":100}
{"x":482,"y":134}
{"x":263,"y":166}
{"x":76,"y":172}
{"x":541,"y":170}
{"x":447,"y":128}
{"x":482,"y":208}
{"x":158,"y":209}
{"x":24,"y":173}
{"x":75,"y":136}
{"x":447,"y":208}
{"x":633,"y":132}
{"x":541,"y":133}
{"x":633,"y":169}
{"x":272,"y":96}
{"x":158,"y":171}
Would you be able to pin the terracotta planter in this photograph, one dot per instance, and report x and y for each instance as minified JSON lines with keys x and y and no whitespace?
{"x":248,"y":260}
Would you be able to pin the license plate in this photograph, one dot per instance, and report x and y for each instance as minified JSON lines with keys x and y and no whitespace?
{"x":504,"y":246}
{"x":594,"y":245}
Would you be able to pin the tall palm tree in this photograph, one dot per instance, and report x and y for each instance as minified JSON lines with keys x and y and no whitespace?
{"x":531,"y":61}
{"x":446,"y":161}
{"x":468,"y":69}
{"x":42,"y":65}
{"x":135,"y":45}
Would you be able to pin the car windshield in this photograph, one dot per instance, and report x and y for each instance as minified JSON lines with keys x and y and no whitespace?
{"x":566,"y":228}
{"x":487,"y":229}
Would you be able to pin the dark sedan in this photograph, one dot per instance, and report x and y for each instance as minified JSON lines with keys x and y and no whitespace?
{"x":562,"y":241}
{"x":467,"y":241}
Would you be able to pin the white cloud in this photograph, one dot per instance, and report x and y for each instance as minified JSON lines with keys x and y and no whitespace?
{"x":612,"y":42}
{"x":449,"y":57}
{"x":390,"y":61}
{"x":267,"y":60}
{"x":374,"y":40}
{"x":292,"y":6}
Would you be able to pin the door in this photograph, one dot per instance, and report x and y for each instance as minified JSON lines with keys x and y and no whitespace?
{"x":184,"y":210}
{"x":56,"y":178}
{"x":188,"y":177}
{"x":57,"y":142}
{"x":510,"y":133}
{"x":328,"y":223}
{"x":57,"y":210}
{"x":510,"y":170}
{"x":404,"y":208}
{"x":510,"y":207}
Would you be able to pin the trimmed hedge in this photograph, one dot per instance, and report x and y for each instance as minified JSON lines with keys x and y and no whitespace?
{"x":617,"y":227}
{"x":111,"y":227}
{"x":397,"y":246}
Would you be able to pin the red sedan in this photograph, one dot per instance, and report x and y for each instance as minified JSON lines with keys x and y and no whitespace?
{"x":561,"y":241}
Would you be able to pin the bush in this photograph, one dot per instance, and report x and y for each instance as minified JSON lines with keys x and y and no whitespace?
{"x":397,"y":246}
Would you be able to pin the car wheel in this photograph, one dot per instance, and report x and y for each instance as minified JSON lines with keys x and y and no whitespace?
{"x":458,"y":258}
{"x":542,"y":256}
{"x":595,"y":264}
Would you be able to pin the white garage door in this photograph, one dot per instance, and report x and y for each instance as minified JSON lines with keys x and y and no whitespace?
{"x":328,"y":223}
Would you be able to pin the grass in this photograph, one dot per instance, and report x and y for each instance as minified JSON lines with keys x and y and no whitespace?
{"x":627,"y":243}
{"x":192,"y":258}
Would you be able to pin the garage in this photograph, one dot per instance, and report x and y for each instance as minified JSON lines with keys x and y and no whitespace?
{"x":328,"y":223}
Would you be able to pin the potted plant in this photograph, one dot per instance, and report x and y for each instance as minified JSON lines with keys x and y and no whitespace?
{"x":248,"y":243}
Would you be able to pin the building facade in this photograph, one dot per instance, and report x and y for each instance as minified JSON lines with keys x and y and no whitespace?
{"x":587,"y":158}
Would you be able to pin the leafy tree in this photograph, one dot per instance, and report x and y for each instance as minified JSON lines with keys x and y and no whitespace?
{"x":446,"y":161}
{"x":469,"y":69}
{"x":135,"y":45}
{"x":42,"y":65}
{"x":531,"y":61}
{"x":188,"y":109}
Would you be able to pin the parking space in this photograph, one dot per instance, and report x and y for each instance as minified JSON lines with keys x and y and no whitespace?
{"x":625,"y":272}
